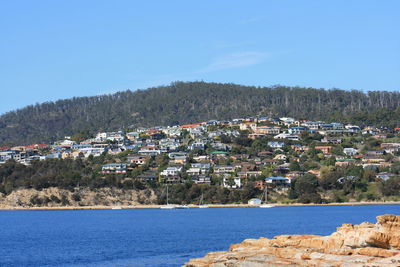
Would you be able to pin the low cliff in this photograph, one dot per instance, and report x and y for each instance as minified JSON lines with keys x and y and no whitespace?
{"x":365,"y":244}
{"x":55,"y":197}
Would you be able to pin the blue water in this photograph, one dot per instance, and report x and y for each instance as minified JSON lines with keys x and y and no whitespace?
{"x":156,"y":237}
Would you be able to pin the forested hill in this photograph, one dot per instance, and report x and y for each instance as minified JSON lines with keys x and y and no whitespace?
{"x":183,"y":102}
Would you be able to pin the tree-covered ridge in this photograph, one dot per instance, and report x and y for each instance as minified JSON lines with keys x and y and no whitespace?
{"x":186,"y":102}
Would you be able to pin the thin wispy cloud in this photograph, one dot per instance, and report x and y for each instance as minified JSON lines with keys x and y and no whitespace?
{"x":236,"y":60}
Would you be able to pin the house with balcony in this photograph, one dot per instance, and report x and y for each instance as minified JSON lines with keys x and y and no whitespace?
{"x":297,"y":130}
{"x":202,"y":179}
{"x":224,"y":169}
{"x":277,"y":181}
{"x":267,"y":130}
{"x":114,"y":168}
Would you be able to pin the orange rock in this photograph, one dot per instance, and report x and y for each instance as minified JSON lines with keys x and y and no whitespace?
{"x":365,"y":244}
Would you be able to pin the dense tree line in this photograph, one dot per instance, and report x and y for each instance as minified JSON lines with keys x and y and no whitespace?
{"x":76,"y":174}
{"x":183,"y":102}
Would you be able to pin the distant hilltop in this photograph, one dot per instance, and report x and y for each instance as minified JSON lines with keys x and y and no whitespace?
{"x":189,"y":102}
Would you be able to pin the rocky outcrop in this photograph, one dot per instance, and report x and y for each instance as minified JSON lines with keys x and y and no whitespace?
{"x":364,"y":245}
{"x":55,"y":197}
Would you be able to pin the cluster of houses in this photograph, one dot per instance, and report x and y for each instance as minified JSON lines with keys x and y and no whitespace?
{"x":198,"y":151}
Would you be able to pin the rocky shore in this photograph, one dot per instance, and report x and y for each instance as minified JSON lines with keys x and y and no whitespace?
{"x":81,"y":198}
{"x":364,"y":245}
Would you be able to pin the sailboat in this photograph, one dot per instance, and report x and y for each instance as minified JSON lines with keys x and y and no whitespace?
{"x":182,"y":207}
{"x":168,"y":206}
{"x":265,"y":204}
{"x":201,"y":204}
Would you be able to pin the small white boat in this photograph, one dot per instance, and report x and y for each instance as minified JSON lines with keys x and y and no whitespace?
{"x":182,"y":207}
{"x":266,"y":206}
{"x":116,"y":208}
{"x":168,"y":207}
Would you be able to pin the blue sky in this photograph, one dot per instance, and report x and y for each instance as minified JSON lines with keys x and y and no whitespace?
{"x":60,"y":49}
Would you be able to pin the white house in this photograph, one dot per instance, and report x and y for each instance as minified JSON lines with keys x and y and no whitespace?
{"x":276,"y":144}
{"x":350,"y":151}
{"x":114,"y":168}
{"x":297,"y":130}
{"x":171,"y":171}
{"x":287,"y":136}
{"x":193,"y":171}
{"x":230,"y":182}
{"x":197,"y":145}
{"x":282,"y":181}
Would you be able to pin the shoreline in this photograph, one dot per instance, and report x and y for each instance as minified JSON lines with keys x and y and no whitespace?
{"x":195,"y":206}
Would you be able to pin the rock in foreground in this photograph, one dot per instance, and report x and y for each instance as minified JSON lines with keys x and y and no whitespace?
{"x":365,"y":244}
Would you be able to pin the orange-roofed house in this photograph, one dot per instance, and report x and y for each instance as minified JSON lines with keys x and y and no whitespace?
{"x":37,"y":146}
{"x":325,"y":149}
{"x":315,"y":172}
{"x":192,"y":125}
{"x":152,"y":131}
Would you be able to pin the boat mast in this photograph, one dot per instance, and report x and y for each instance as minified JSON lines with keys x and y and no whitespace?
{"x":167,"y":194}
{"x":266,"y":194}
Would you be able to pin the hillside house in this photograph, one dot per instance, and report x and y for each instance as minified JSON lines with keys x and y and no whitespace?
{"x":327,"y":150}
{"x":345,"y":162}
{"x":297,"y":130}
{"x":287,"y":136}
{"x":331,"y":140}
{"x":251,"y":126}
{"x":267,"y":130}
{"x":229,"y":182}
{"x":260,"y":184}
{"x":276,"y":144}
{"x":390,"y":147}
{"x":352,"y":128}
{"x":385,"y":176}
{"x":223,"y":169}
{"x":313,"y":125}
{"x":114,"y":168}
{"x":349,"y":151}
{"x":149,"y":151}
{"x":193,"y":171}
{"x":277,"y":181}
{"x":171,"y":171}
{"x":204,"y":167}
{"x":197,"y":145}
{"x":201,"y":179}
{"x":299,"y":148}
{"x":137,"y":159}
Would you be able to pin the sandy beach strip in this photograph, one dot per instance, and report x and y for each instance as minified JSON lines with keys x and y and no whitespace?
{"x":194,"y":206}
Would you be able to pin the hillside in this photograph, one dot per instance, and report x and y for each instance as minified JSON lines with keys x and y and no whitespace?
{"x":192,"y":102}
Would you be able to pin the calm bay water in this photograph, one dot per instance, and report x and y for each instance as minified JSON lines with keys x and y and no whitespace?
{"x":156,"y":237}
